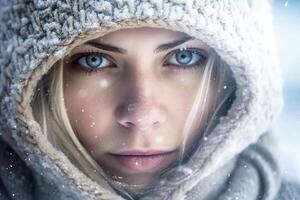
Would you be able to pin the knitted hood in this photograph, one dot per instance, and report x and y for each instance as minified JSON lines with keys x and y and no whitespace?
{"x":37,"y":33}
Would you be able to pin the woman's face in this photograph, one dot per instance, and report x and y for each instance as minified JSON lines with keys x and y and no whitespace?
{"x":128,"y":95}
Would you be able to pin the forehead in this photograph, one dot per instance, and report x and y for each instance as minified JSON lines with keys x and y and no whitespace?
{"x":145,"y":36}
{"x":143,"y":32}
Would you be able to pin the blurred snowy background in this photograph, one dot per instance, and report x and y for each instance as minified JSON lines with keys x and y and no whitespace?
{"x":287,"y":127}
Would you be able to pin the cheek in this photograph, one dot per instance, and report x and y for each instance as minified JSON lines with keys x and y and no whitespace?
{"x":89,"y":111}
{"x":178,"y":114}
{"x":185,"y":88}
{"x":191,"y":114}
{"x":187,"y":79}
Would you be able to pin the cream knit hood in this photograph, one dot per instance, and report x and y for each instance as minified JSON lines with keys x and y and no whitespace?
{"x":36,"y":33}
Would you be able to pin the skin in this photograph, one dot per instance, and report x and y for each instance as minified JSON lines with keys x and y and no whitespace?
{"x":139,"y":100}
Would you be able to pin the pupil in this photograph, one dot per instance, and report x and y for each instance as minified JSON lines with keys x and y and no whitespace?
{"x":93,"y":61}
{"x":184,"y":57}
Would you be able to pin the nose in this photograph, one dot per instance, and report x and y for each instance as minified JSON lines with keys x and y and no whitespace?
{"x":140,"y":109}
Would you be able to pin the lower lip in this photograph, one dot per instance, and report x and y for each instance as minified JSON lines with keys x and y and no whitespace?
{"x":143,"y":163}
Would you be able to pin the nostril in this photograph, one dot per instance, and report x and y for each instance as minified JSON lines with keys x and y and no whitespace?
{"x":127,"y":124}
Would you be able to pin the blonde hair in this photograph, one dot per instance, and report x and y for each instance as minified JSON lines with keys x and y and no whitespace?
{"x":49,"y":110}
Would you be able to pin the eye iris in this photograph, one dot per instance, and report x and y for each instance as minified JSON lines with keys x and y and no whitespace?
{"x":93,"y":60}
{"x":184,"y":57}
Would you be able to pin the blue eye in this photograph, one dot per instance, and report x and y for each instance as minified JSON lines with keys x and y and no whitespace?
{"x":94,"y":61}
{"x":188,"y":57}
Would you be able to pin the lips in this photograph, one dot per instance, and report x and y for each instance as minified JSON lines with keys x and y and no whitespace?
{"x":142,"y":161}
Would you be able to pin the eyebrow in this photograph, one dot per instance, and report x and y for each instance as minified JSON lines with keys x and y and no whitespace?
{"x":160,"y":48}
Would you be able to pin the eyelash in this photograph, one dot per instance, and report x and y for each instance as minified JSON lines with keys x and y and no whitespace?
{"x":86,"y":70}
{"x":201,"y":53}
